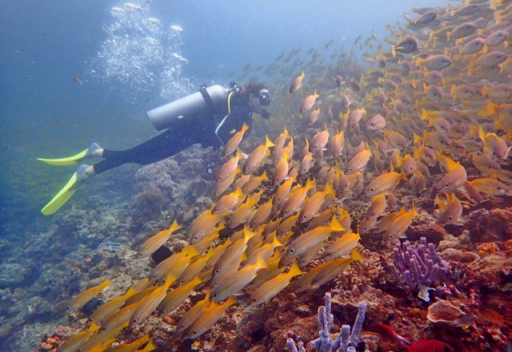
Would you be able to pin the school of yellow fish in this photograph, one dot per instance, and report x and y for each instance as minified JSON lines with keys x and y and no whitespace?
{"x":430,"y":116}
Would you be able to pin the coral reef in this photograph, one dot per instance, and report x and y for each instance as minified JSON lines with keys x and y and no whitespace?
{"x":418,"y":264}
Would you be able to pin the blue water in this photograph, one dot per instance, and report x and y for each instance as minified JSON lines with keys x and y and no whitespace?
{"x":45,"y":45}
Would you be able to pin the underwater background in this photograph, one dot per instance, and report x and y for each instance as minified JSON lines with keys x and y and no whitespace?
{"x":76,"y":72}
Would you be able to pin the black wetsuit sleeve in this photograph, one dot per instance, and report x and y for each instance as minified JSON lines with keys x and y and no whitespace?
{"x":234,"y":122}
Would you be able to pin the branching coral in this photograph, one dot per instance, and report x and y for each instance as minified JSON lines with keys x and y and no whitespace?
{"x":418,"y":264}
{"x":345,"y":342}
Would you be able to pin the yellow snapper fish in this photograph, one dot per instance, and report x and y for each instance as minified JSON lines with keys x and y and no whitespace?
{"x":204,"y":226}
{"x":280,"y":140}
{"x":209,"y":316}
{"x":400,"y":224}
{"x":252,"y":184}
{"x":312,"y":238}
{"x":342,"y":247}
{"x":222,"y":186}
{"x":271,"y":288}
{"x":377,"y":207}
{"x":319,"y":141}
{"x":308,"y":102}
{"x":82,"y":298}
{"x":313,"y":205}
{"x":228,"y":202}
{"x":237,"y":281}
{"x":494,"y":145}
{"x":282,"y":169}
{"x":296,"y":200}
{"x":193,"y":314}
{"x":384,"y":183}
{"x":257,"y":158}
{"x":174,"y":298}
{"x":451,"y":211}
{"x":407,"y":163}
{"x":235,"y":141}
{"x":334,"y":268}
{"x":261,"y":214}
{"x":490,"y":186}
{"x":158,"y":240}
{"x":232,"y":256}
{"x":228,"y":167}
{"x":359,"y":161}
{"x":194,"y":268}
{"x":297,"y":83}
{"x":149,"y":304}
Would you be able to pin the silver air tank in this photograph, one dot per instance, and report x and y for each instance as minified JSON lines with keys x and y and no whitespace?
{"x":194,"y":104}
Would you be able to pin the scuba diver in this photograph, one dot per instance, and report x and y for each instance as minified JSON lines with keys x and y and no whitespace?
{"x":209,"y":117}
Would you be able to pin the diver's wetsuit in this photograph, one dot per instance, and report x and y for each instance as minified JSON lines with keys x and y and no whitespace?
{"x":184,"y":133}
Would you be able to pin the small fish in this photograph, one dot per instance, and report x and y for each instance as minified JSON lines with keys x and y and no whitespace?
{"x":261,"y":214}
{"x":494,"y":145}
{"x":342,"y":247}
{"x":319,"y":141}
{"x":158,"y":240}
{"x":377,"y":207}
{"x":313,"y":116}
{"x":252,"y":184}
{"x":427,"y":17}
{"x":234,"y":141}
{"x":174,"y":298}
{"x":334,"y":267}
{"x":208,"y":317}
{"x":345,"y":102}
{"x":257,"y":158}
{"x":193,"y":314}
{"x":359,"y":161}
{"x":355,"y":116}
{"x":408,"y":164}
{"x":82,"y":298}
{"x":149,"y":304}
{"x":228,"y":202}
{"x":376,"y":123}
{"x":222,"y":186}
{"x":473,"y":47}
{"x":235,"y":282}
{"x":398,"y":227}
{"x":451,"y":211}
{"x":435,"y":62}
{"x":297,"y":83}
{"x":454,"y":178}
{"x":461,"y":31}
{"x":498,"y":91}
{"x":271,"y":288}
{"x":296,"y":200}
{"x":490,"y":186}
{"x":308,"y":102}
{"x":407,"y":45}
{"x":194,"y":268}
{"x":384,"y":183}
{"x":312,"y":238}
{"x":229,"y":167}
{"x":313,"y":205}
{"x":485,"y":164}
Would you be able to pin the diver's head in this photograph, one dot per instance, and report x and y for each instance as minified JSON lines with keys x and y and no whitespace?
{"x":257,"y":97}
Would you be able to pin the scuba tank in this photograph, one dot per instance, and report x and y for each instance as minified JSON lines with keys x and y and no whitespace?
{"x":195,"y":104}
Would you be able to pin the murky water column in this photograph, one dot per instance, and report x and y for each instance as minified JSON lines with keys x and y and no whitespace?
{"x":141,"y":56}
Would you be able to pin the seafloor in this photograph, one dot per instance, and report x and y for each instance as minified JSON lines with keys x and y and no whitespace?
{"x":74,"y":255}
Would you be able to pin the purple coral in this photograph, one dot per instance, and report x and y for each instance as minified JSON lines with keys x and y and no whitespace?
{"x":418,"y":264}
{"x":345,"y":342}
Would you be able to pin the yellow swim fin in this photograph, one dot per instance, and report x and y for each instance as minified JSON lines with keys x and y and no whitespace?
{"x":67,"y":192}
{"x":75,"y":159}
{"x":61,"y":198}
{"x":72,"y":160}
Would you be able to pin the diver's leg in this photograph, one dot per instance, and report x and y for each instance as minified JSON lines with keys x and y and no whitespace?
{"x":164,"y":145}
